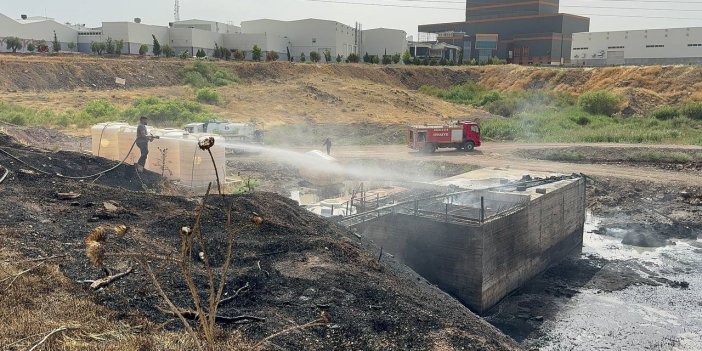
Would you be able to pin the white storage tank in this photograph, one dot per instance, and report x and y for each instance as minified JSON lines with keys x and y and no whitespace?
{"x":196,"y":169}
{"x":125,"y":138}
{"x":164,"y":153}
{"x":104,"y":139}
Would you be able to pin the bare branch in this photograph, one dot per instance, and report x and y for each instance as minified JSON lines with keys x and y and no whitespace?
{"x":57,"y":330}
{"x":14,"y":277}
{"x":103,"y":282}
{"x":314,"y":323}
{"x":230,"y":298}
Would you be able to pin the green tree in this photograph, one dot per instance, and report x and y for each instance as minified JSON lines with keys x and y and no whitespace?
{"x":416,"y":61}
{"x":353,"y":58}
{"x":98,"y":47}
{"x":168,"y":51}
{"x":56,"y":45}
{"x":367,"y":58}
{"x":119,"y":46}
{"x":387,"y":59}
{"x":184,"y":54}
{"x":72,"y":46}
{"x":327,"y":55}
{"x":443,"y":62}
{"x":13,"y":43}
{"x":109,"y":46}
{"x":256,"y":53}
{"x":302,"y":57}
{"x":143,"y":49}
{"x":156,"y":50}
{"x":31,"y":47}
{"x":314,"y":56}
{"x":200,"y":53}
{"x":406,"y":57}
{"x":338,"y":58}
{"x":375,"y":59}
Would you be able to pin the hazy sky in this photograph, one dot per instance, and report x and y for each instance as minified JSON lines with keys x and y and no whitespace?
{"x":161,"y":12}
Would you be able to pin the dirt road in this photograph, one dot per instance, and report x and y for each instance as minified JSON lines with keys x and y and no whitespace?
{"x":502,"y":155}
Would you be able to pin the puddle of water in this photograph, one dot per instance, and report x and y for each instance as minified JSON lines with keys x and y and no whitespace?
{"x":636,"y":318}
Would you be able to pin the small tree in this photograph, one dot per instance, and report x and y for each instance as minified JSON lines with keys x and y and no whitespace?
{"x":302,"y":57}
{"x":13,"y":43}
{"x":256,"y":53}
{"x":119,"y":46}
{"x":272,"y":56}
{"x":156,"y":50}
{"x":387,"y":59}
{"x":98,"y":47}
{"x":353,"y":58}
{"x":338,"y":58}
{"x":396,"y":58}
{"x":31,"y":47}
{"x":184,"y":54}
{"x":327,"y":55}
{"x":168,"y":51}
{"x":239,"y":55}
{"x":367,"y":58}
{"x":41,"y":46}
{"x":72,"y":46}
{"x":375,"y":59}
{"x":416,"y":61}
{"x":56,"y":45}
{"x":290,"y":58}
{"x":314,"y":56}
{"x":109,"y":46}
{"x":201,"y":53}
{"x":143,"y":49}
{"x":406,"y":57}
{"x":443,"y":62}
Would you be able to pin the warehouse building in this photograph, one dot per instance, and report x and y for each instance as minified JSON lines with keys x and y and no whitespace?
{"x":519,"y":31}
{"x":638,"y":47}
{"x":382,"y":41}
{"x":30,"y":29}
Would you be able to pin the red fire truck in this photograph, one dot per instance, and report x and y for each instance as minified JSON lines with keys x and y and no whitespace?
{"x":464,"y":135}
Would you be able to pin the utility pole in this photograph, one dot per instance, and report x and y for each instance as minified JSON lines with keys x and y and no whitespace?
{"x":176,"y":11}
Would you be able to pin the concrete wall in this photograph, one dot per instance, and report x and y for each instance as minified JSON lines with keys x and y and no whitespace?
{"x":448,"y":255}
{"x":655,"y":46}
{"x":481,"y":264}
{"x":265,"y":41}
{"x":380,"y":40}
{"x":210,"y":26}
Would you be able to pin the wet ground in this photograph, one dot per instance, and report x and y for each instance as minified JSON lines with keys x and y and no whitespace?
{"x":612,"y":296}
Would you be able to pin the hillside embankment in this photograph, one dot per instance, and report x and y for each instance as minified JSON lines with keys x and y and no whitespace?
{"x":644,"y":87}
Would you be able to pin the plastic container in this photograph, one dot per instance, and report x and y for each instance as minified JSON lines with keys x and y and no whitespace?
{"x":104,"y":139}
{"x":196,"y":169}
{"x":164,"y":153}
{"x":125,"y":138}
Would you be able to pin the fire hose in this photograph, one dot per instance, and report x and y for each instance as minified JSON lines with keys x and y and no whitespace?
{"x":2,"y":149}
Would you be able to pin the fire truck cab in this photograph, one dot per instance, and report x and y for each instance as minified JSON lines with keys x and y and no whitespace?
{"x":463,"y":135}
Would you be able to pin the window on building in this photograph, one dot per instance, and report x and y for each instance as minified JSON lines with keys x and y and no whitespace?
{"x":314,"y":40}
{"x":694,"y":44}
{"x":655,"y":46}
{"x":615,"y":47}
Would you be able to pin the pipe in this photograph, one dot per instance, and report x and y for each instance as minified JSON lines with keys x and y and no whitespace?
{"x":7,"y":171}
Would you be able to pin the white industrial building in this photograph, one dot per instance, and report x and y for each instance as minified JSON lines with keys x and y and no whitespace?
{"x":638,"y":47}
{"x":301,"y":36}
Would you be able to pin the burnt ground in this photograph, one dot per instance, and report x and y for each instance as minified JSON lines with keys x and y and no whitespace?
{"x":296,"y":263}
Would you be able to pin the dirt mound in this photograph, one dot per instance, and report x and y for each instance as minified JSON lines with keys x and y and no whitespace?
{"x":31,"y":162}
{"x":295,"y":263}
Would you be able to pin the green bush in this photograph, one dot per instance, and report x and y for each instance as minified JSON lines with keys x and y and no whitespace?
{"x":599,"y":102}
{"x":207,"y":96}
{"x":503,"y":107}
{"x":665,"y":113}
{"x":143,"y":49}
{"x":100,"y":108}
{"x":202,"y":74}
{"x":166,"y":112}
{"x":692,"y":110}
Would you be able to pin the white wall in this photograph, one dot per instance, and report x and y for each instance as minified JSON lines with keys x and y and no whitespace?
{"x":306,"y":35}
{"x":211,"y":26}
{"x":605,"y":47}
{"x":267,"y":42}
{"x":36,"y":30}
{"x":377,"y":41}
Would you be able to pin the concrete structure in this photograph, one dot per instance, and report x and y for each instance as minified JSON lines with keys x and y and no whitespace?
{"x":305,"y":36}
{"x":638,"y":47}
{"x":36,"y":29}
{"x":379,"y":41}
{"x":521,"y":32}
{"x":480,"y":245}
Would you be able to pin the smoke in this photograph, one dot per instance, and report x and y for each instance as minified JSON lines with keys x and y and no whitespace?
{"x":326,"y":166}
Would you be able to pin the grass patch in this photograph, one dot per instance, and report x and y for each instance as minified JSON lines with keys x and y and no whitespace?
{"x":203,"y":74}
{"x":563,"y":155}
{"x":207,"y":96}
{"x":573,"y":125}
{"x":162,"y":112}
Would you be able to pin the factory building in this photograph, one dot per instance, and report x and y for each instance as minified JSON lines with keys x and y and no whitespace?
{"x":301,"y":36}
{"x":638,"y":47}
{"x":518,"y":31}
